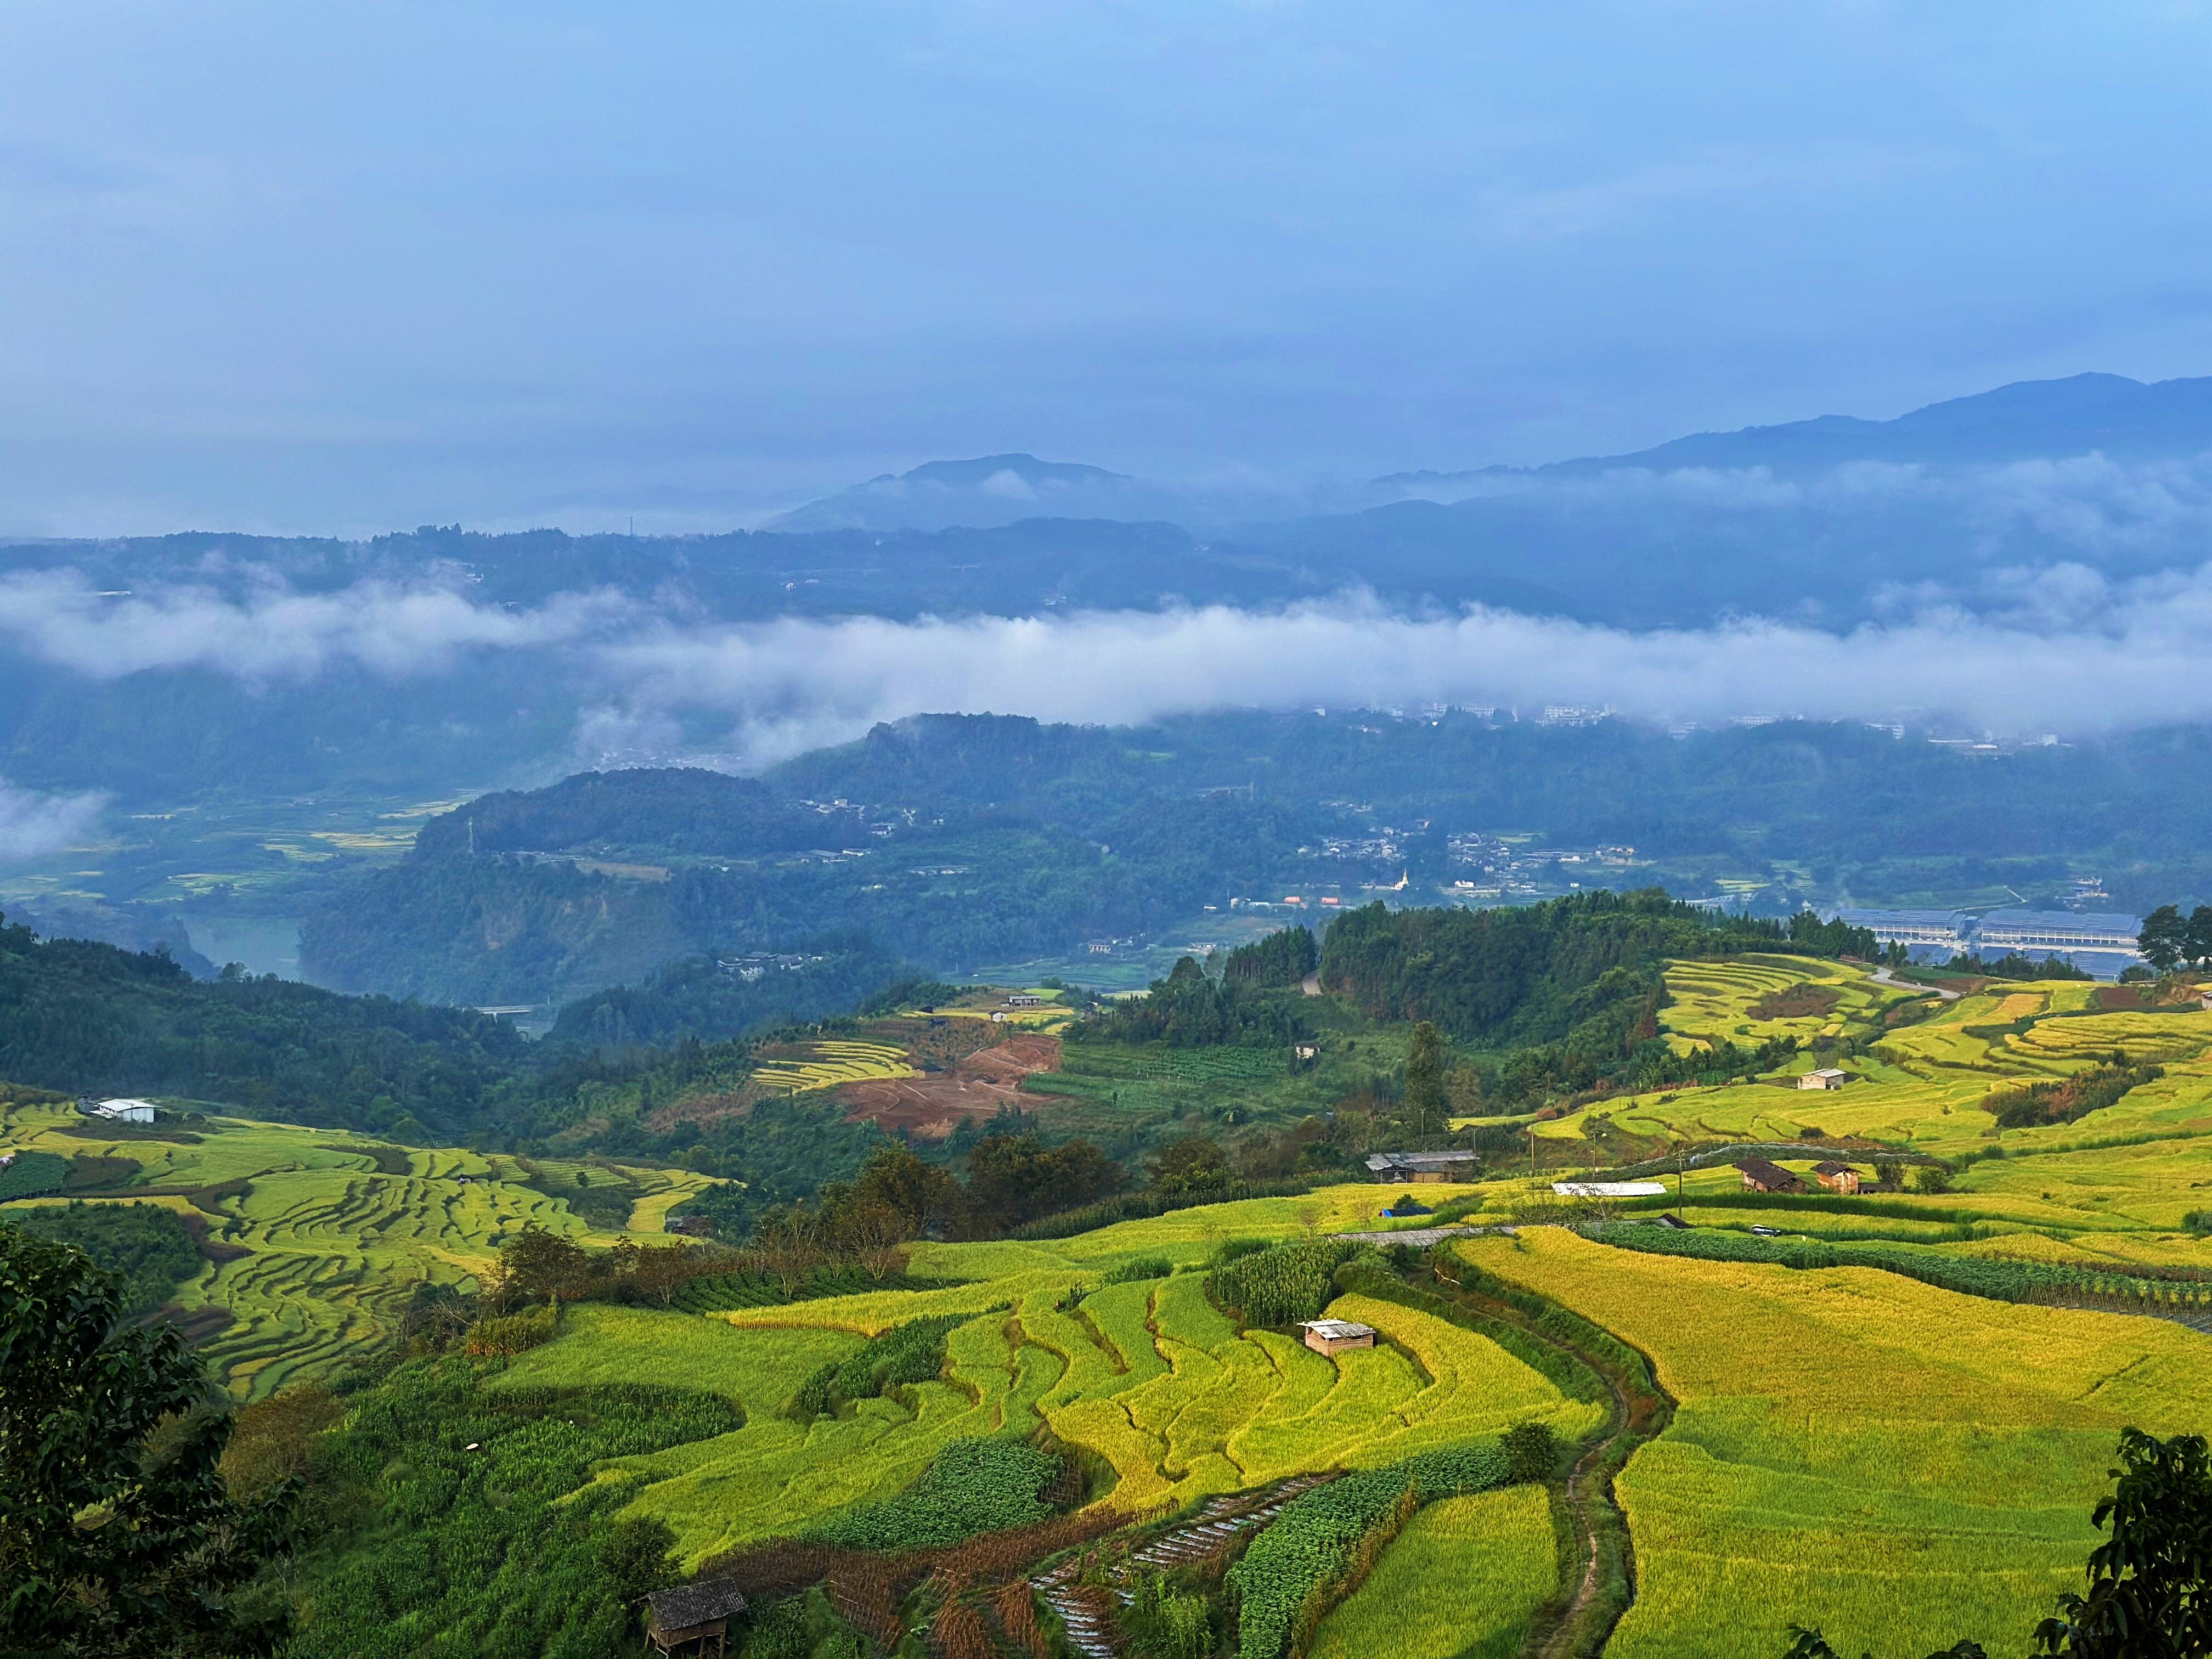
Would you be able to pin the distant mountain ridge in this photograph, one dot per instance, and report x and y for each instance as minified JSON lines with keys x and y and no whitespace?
{"x":980,"y":493}
{"x":2110,"y":415}
{"x":2028,"y":419}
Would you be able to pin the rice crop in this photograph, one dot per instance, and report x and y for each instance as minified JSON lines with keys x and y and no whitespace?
{"x":826,"y":1064}
{"x":1460,"y":1581}
{"x":1896,"y":1463}
{"x":2003,"y":1278}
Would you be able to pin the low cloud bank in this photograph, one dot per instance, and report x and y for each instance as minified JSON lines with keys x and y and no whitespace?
{"x":2063,"y":648}
{"x":2133,"y":658}
{"x":32,"y":825}
{"x":273,"y":632}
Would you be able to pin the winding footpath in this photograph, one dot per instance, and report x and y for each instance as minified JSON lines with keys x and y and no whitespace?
{"x":1582,"y":1627}
{"x":1884,"y":976}
{"x":1587,"y":1487}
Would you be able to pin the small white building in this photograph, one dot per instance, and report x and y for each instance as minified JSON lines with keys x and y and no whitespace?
{"x":1335,"y":1335}
{"x":122,"y":1110}
{"x":1828,"y":1077}
{"x":1023,"y":999}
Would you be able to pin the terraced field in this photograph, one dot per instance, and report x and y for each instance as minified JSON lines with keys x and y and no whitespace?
{"x":1744,"y":999}
{"x":1898,"y":1465}
{"x":826,"y":1064}
{"x":327,"y":1236}
{"x":1461,"y":1582}
{"x":1149,"y":1375}
{"x":1918,"y":1085}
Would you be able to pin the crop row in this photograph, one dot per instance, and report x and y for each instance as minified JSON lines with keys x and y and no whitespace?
{"x":1326,"y":1537}
{"x":1996,"y":1278}
{"x":974,"y":1486}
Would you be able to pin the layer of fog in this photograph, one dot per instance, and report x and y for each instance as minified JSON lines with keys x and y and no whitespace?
{"x":2072,"y":652}
{"x":34,"y":824}
{"x":2064,"y":649}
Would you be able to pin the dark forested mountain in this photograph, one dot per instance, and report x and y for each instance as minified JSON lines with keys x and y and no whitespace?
{"x":81,"y":1017}
{"x":957,"y":841}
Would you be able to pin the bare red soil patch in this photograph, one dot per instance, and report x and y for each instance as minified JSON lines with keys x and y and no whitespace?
{"x":976,"y":1085}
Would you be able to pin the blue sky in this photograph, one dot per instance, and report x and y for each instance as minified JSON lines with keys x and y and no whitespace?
{"x":346,"y":268}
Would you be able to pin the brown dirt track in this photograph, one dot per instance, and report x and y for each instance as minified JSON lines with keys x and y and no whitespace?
{"x":977,"y":1086}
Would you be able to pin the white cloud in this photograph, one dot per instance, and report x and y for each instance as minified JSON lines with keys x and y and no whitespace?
{"x":273,"y":632}
{"x":34,"y":824}
{"x":2062,"y":648}
{"x":792,"y":683}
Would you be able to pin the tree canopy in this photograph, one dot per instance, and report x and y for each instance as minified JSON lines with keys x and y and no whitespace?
{"x":117,"y":1536}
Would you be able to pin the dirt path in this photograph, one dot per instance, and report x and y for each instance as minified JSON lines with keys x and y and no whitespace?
{"x":1580,"y":1627}
{"x":1582,"y":1496}
{"x":1883,"y":976}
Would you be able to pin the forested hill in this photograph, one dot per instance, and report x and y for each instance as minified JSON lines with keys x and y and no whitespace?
{"x":1538,"y":973}
{"x":1552,"y":998}
{"x":85,"y":1017}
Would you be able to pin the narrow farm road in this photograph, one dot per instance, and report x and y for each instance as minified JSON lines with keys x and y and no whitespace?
{"x":1638,"y":1410}
{"x":1883,"y":976}
{"x":1584,"y":1493}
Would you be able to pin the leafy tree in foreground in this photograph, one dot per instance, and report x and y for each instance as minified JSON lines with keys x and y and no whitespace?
{"x":1811,"y":1644}
{"x":117,"y":1536}
{"x":2150,"y":1583}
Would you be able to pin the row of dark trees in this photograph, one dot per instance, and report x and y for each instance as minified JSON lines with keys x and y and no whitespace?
{"x":1188,"y":1009}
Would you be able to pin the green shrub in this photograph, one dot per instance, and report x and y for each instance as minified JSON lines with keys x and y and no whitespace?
{"x":1145,"y":1266}
{"x":1285,"y":1285}
{"x":802,"y":1626}
{"x":504,"y":1338}
{"x":973,"y":1487}
{"x":1532,"y":1452}
{"x":892,"y":1359}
